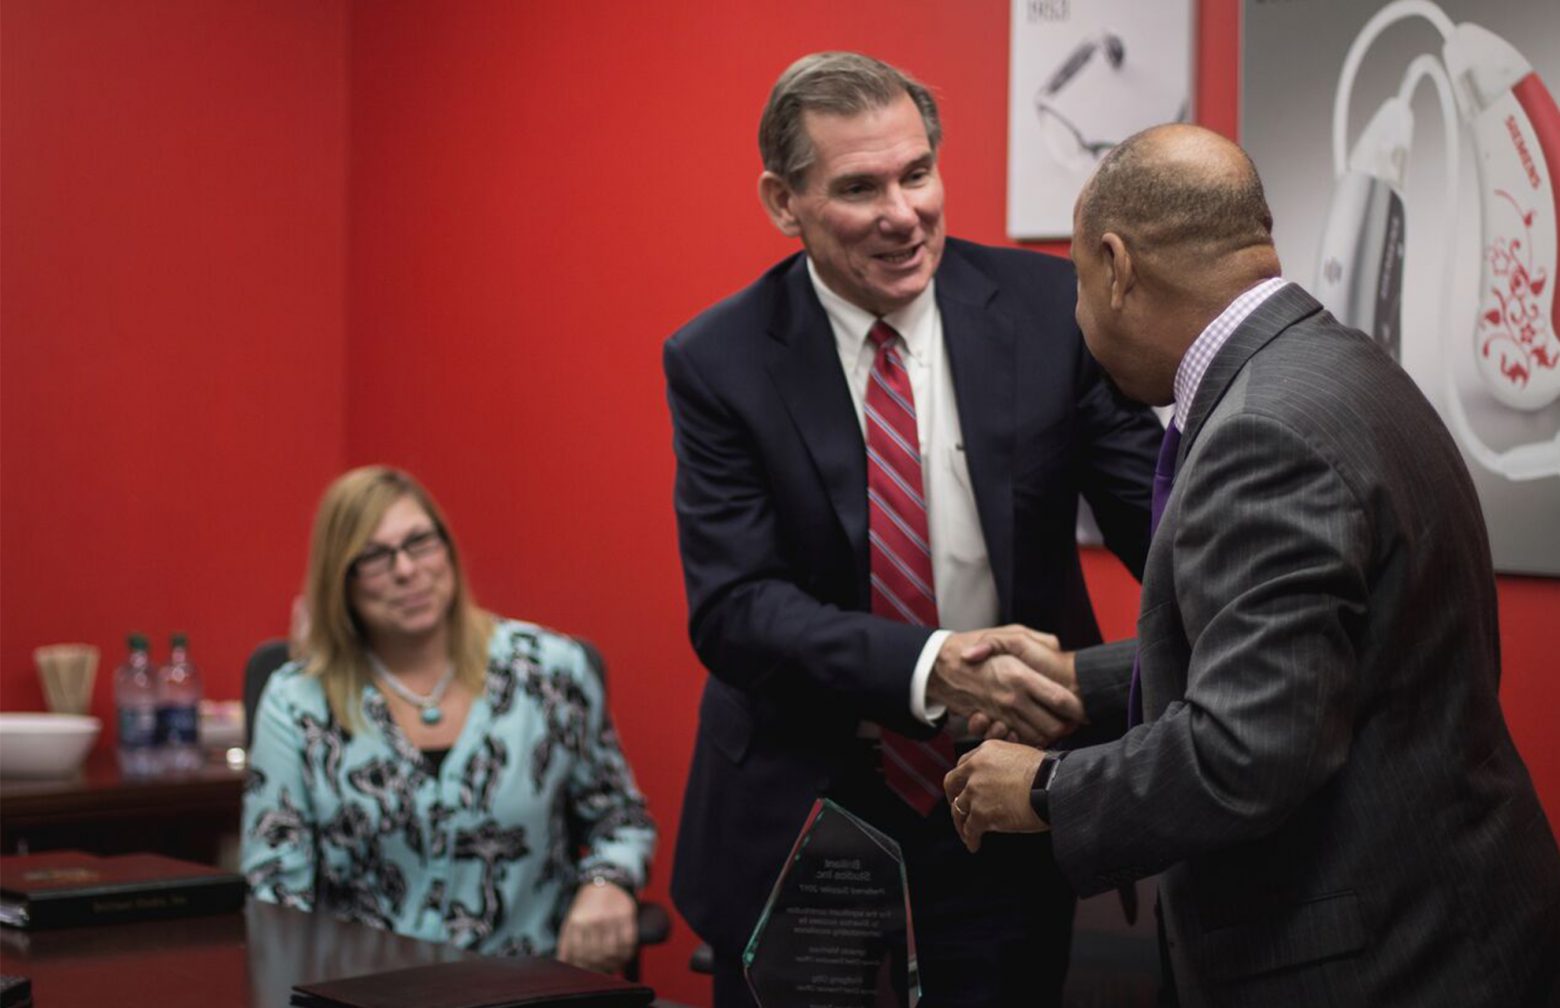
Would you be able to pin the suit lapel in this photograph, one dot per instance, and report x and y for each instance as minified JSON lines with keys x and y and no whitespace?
{"x":1166,"y":660}
{"x":1283,"y":309}
{"x":804,"y":363}
{"x":981,"y":345}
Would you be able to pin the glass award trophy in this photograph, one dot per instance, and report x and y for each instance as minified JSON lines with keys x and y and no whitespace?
{"x":836,"y":931}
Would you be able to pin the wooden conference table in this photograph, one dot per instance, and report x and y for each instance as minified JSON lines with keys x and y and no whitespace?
{"x":192,"y":815}
{"x":252,"y":958}
{"x":248,"y":959}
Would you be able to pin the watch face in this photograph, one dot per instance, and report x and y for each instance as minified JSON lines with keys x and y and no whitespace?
{"x":1039,"y":795}
{"x":1043,"y":772}
{"x":1048,"y":767}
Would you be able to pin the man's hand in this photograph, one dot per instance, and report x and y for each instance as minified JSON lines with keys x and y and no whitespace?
{"x":989,"y":791}
{"x":997,"y":687}
{"x":1036,"y":650}
{"x":600,"y":929}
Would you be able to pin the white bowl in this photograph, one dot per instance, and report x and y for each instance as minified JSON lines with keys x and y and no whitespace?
{"x":38,"y":745}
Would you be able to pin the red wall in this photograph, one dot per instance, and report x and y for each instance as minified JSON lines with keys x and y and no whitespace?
{"x":172,"y":228}
{"x":254,"y":242}
{"x":539,"y":194}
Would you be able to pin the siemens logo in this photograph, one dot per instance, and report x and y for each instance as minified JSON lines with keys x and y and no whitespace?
{"x":1515,"y":130}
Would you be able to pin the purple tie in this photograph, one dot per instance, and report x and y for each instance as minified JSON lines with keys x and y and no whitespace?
{"x":1164,"y":476}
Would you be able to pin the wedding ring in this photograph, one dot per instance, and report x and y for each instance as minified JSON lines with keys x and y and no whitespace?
{"x":960,"y":809}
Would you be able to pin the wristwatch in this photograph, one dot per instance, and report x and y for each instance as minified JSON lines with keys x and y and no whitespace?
{"x":1040,"y":791}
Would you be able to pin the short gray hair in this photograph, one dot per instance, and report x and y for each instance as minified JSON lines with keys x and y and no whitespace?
{"x":838,"y":83}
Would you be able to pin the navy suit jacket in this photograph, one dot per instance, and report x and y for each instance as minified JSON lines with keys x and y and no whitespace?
{"x":772,"y":520}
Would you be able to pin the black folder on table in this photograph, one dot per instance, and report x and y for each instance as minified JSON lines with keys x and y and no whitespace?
{"x":69,"y":888}
{"x":498,"y":982}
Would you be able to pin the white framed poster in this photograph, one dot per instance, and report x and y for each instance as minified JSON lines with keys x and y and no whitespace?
{"x":1408,"y":150}
{"x":1083,"y":76}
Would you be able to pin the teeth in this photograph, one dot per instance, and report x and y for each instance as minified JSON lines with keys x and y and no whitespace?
{"x":898,"y":257}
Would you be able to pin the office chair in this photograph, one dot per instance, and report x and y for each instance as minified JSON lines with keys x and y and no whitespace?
{"x":269,"y":656}
{"x":654,"y":923}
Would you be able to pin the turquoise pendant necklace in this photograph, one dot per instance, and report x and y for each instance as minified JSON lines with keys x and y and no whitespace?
{"x":427,"y":706}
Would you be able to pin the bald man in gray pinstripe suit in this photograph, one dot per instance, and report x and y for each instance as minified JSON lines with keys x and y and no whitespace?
{"x":1313,"y":752}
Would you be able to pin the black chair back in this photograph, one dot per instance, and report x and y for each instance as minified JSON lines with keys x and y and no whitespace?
{"x":263,"y":660}
{"x":655,"y":924}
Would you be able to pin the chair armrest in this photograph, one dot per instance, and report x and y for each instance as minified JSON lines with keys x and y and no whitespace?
{"x":654,"y":924}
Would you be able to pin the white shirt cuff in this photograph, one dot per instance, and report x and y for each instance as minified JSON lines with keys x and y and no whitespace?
{"x":923,"y":672}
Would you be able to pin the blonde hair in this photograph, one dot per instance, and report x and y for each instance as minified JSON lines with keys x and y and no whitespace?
{"x":350,"y":510}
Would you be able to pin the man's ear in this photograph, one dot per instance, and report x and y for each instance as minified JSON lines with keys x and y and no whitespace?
{"x":777,"y":197}
{"x":1118,"y":261}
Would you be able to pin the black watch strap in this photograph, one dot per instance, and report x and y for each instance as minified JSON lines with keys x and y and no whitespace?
{"x":1040,"y":790}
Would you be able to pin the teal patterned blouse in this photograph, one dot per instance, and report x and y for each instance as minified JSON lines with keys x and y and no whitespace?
{"x":534,"y":796}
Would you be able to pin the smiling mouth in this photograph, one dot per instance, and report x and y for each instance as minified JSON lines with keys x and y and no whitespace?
{"x":899,"y":258}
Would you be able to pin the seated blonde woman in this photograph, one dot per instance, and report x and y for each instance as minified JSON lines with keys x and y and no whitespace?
{"x":433,"y":769}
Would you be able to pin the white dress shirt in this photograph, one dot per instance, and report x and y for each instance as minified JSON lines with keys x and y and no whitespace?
{"x":961,"y":569}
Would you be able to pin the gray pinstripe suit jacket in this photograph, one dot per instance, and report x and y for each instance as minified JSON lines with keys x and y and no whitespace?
{"x":1324,"y":776}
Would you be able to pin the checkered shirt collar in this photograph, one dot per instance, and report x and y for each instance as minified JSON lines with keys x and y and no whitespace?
{"x":1189,"y":375}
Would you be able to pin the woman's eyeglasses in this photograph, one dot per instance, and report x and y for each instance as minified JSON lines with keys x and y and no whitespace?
{"x":377,"y":561}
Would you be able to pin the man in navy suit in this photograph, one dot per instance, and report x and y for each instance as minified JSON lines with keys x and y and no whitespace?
{"x":820,"y":670}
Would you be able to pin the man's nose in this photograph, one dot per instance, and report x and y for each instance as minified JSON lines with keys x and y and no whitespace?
{"x":898,"y":213}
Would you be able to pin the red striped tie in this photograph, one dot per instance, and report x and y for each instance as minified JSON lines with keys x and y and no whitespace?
{"x":902,"y":586}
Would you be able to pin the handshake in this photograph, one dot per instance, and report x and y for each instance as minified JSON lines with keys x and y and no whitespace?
{"x":1014,"y":684}
{"x":1011,"y":682}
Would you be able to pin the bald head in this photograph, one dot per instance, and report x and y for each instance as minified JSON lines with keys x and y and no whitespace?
{"x":1172,"y":228}
{"x":1184,"y":200}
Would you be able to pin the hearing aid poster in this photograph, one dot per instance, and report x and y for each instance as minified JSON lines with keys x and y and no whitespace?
{"x":1408,"y":148}
{"x":1085,"y":75}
